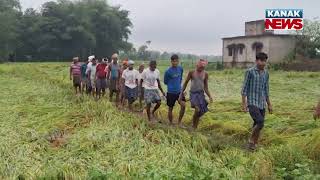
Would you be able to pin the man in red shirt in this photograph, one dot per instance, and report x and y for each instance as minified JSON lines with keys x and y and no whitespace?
{"x":101,"y":79}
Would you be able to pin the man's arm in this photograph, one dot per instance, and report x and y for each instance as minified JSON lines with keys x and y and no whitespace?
{"x":185,"y":84}
{"x":119,"y":75}
{"x":123,"y":78}
{"x":206,"y":88}
{"x":96,"y":75}
{"x":244,"y":91}
{"x":267,"y":95}
{"x":181,"y":75}
{"x":142,"y":77}
{"x":141,"y":81}
{"x":166,"y":78}
{"x":160,"y":87}
{"x":89,"y":75}
{"x":109,"y":71}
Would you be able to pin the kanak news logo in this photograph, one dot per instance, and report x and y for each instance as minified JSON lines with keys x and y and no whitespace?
{"x":284,"y":19}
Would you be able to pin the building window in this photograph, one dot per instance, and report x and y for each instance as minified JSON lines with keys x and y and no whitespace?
{"x":241,"y":51}
{"x":240,"y":47}
{"x":230,"y":51}
{"x":231,"y":48}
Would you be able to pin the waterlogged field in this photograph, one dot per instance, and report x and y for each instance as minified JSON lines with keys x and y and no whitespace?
{"x":48,"y":132}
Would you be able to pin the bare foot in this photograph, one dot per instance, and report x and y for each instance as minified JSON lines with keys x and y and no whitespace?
{"x":182,"y":126}
{"x":251,"y":147}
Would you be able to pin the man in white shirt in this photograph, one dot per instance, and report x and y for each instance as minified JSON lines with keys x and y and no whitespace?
{"x":91,"y":72}
{"x":152,"y":85}
{"x":87,"y":70}
{"x":130,"y":80}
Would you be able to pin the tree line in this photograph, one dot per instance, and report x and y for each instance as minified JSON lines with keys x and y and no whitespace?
{"x":144,"y":53}
{"x":62,"y":29}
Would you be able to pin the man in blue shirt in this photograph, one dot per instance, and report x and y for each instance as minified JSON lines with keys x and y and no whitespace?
{"x":173,"y":80}
{"x":255,"y":96}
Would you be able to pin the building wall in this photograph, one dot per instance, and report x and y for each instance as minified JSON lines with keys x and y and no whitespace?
{"x":249,"y":54}
{"x":254,"y":28}
{"x":277,"y":48}
{"x":280,"y":47}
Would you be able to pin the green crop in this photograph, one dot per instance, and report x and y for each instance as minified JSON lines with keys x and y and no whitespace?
{"x":46,"y":132}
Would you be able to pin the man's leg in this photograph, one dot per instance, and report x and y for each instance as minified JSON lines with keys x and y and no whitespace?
{"x":123,"y":97}
{"x":89,"y":87}
{"x":110,"y":94}
{"x":182,"y":111}
{"x":94,"y":91}
{"x":140,"y":102}
{"x":196,"y":117}
{"x":103,"y":92}
{"x":171,"y":100}
{"x":156,"y":107}
{"x":170,"y":115}
{"x":117,"y":98}
{"x":258,"y":117}
{"x":148,"y":111}
{"x":80,"y":90}
{"x":141,"y":97}
{"x":98,"y":86}
{"x":130,"y":106}
{"x":82,"y":87}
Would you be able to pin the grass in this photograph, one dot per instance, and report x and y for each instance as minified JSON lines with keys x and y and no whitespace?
{"x":46,"y":132}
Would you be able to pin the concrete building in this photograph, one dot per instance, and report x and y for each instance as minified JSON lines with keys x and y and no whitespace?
{"x":241,"y":51}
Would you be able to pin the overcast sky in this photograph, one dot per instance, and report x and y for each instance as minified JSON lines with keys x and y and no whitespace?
{"x":195,"y":26}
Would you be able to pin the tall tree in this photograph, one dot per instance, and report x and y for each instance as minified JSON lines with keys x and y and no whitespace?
{"x":309,"y":39}
{"x":9,"y":14}
{"x":68,"y":28}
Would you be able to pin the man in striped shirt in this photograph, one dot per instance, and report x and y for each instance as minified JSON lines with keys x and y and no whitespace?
{"x":255,"y":96}
{"x":75,"y":74}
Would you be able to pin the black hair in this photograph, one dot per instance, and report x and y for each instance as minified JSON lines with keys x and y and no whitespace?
{"x":153,"y":62}
{"x":174,"y":57}
{"x":262,"y":56}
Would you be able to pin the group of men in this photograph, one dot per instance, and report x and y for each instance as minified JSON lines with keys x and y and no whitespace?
{"x":130,"y":84}
{"x":144,"y":84}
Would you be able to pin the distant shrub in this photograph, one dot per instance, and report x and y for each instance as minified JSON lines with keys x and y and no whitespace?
{"x":219,"y":66}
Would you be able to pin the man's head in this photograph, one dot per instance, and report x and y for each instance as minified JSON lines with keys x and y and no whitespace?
{"x":153,"y":65}
{"x":130,"y":64}
{"x":104,"y":61}
{"x":94,"y":61}
{"x":124,"y":64}
{"x":75,"y":59}
{"x":109,"y":60}
{"x":261,"y":60}
{"x":90,"y":58}
{"x":115,"y":58}
{"x":174,"y":60}
{"x":201,"y":64}
{"x":141,"y":68}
